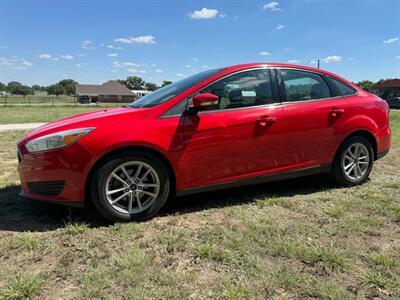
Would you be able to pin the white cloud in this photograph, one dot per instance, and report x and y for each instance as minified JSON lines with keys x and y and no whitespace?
{"x":280,"y":26}
{"x":66,"y":56}
{"x":112,"y":54}
{"x":27,"y":63}
{"x":44,"y":56}
{"x":398,"y":57}
{"x":113,"y":71}
{"x":15,"y":62}
{"x":180,"y":75}
{"x":129,"y":64}
{"x":264,"y":53}
{"x":332,"y":58}
{"x":7,"y":62}
{"x":204,"y":13}
{"x":188,"y":66}
{"x":195,"y":59}
{"x":205,"y":66}
{"x":391,"y":40}
{"x":55,"y":58}
{"x":273,"y":6}
{"x":87,"y":45}
{"x":142,"y":71}
{"x":222,"y":16}
{"x":117,"y":64}
{"x":294,"y":61}
{"x":133,"y":70}
{"x":144,"y":39}
{"x":114,"y":47}
{"x":158,"y":71}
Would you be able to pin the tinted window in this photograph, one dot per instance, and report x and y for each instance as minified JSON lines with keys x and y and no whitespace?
{"x":343,"y":88}
{"x":303,"y":86}
{"x":172,"y":90}
{"x":243,"y":89}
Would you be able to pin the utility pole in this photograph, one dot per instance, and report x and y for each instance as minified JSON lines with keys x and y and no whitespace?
{"x":318,"y":64}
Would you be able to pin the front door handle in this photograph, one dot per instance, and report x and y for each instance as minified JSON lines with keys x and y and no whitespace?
{"x":335,"y":112}
{"x":266,"y":120}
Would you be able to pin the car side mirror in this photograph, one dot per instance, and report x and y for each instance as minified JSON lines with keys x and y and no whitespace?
{"x":205,"y":101}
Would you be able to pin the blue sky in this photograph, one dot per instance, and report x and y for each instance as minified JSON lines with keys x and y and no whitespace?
{"x":44,"y":41}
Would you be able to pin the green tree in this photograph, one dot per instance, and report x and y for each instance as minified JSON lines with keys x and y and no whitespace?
{"x":13,"y":87}
{"x":366,"y":85}
{"x":165,"y":83}
{"x":121,"y":81}
{"x":16,"y":88}
{"x":56,"y":89}
{"x":135,"y":83}
{"x":69,"y":86}
{"x":2,"y":87}
{"x":151,"y":86}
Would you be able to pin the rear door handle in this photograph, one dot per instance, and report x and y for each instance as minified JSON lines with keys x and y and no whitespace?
{"x":335,"y":112}
{"x":266,"y":120}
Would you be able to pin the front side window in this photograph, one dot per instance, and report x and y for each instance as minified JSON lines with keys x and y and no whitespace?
{"x":343,"y":88}
{"x":303,"y":86}
{"x":244,"y":89}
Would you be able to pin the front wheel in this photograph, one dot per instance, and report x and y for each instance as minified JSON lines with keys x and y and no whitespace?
{"x":353,"y":162}
{"x":130,"y":186}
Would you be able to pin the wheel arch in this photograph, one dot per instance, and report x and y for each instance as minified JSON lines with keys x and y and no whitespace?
{"x":366,"y":134}
{"x":149,"y":150}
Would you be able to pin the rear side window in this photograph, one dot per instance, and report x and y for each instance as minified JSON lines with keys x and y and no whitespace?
{"x":303,"y":86}
{"x":343,"y":88}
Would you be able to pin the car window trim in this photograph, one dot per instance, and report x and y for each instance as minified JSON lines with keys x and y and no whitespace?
{"x":276,"y":93}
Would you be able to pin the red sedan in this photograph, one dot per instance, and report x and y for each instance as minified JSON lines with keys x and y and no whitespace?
{"x":220,"y":128}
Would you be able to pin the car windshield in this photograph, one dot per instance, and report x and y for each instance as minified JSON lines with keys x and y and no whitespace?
{"x":172,"y":90}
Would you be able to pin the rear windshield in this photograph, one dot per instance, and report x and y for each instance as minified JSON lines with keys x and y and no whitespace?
{"x":172,"y":90}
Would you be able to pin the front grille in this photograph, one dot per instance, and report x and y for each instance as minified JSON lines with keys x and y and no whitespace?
{"x":49,"y":188}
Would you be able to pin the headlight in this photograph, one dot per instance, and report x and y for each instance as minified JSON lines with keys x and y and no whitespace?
{"x":56,"y":140}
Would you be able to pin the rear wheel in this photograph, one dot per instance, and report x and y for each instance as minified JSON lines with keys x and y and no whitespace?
{"x":353,"y":162}
{"x":130,"y":186}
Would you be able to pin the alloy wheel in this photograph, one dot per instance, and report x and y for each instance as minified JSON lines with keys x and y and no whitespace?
{"x":132,"y":187}
{"x":356,"y":161}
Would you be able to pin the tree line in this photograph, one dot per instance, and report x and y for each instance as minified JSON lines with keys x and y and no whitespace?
{"x":67,"y":87}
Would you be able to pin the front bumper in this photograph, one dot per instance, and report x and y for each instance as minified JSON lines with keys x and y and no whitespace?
{"x":23,"y":196}
{"x":55,"y":176}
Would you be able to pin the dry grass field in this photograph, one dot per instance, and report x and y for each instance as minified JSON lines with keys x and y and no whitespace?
{"x":296,"y":239}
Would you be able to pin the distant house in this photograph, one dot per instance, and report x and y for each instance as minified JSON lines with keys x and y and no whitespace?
{"x":110,"y":91}
{"x":140,"y":93}
{"x":387,"y":88}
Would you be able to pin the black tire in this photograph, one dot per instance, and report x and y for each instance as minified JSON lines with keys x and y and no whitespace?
{"x":338,"y":173}
{"x":98,"y":184}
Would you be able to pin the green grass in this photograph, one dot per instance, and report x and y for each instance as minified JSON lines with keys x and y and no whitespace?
{"x":18,"y":114}
{"x":24,"y":286}
{"x":296,"y":239}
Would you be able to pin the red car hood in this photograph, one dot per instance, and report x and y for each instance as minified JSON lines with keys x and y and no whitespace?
{"x":90,"y":119}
